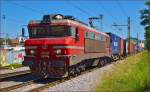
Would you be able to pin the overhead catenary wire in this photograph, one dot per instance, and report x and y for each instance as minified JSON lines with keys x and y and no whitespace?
{"x":83,"y":11}
{"x":27,"y":8}
{"x":107,"y":11}
{"x":120,"y":6}
{"x":110,"y":14}
{"x":80,"y":9}
{"x":10,"y":19}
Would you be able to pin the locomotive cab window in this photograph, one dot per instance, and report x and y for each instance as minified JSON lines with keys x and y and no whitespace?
{"x":51,"y":31}
{"x":73,"y":31}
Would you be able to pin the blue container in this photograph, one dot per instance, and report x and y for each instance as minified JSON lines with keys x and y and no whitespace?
{"x":115,"y":43}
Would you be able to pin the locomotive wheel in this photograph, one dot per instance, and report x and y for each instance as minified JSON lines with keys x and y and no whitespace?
{"x":72,"y":71}
{"x":110,"y":60}
{"x":99,"y":63}
{"x":69,"y":75}
{"x":102,"y":62}
{"x":83,"y":67}
{"x":105,"y":61}
{"x":78,"y":71}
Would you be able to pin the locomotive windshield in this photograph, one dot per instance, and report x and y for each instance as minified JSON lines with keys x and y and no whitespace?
{"x":50,"y":31}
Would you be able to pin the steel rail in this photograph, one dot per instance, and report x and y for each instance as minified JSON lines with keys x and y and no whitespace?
{"x":51,"y":84}
{"x":13,"y":74}
{"x":48,"y":84}
{"x":6,"y":89}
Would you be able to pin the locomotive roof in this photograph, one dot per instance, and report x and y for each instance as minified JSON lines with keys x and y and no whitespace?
{"x":81,"y":24}
{"x":67,"y":21}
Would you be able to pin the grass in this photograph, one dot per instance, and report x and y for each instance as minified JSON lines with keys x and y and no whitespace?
{"x":13,"y":66}
{"x":133,"y":75}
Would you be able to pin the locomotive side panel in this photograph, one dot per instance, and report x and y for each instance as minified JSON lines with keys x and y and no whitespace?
{"x":95,"y":43}
{"x":95,"y":46}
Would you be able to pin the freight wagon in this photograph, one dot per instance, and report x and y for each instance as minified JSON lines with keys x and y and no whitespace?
{"x":118,"y":46}
{"x":132,"y":49}
{"x":123,"y":48}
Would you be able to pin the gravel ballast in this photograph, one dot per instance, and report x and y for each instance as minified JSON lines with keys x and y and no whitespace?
{"x":85,"y":82}
{"x":14,"y":70}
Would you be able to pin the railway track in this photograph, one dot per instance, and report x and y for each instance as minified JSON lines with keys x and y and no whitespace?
{"x":14,"y":74}
{"x":49,"y":82}
{"x":6,"y":89}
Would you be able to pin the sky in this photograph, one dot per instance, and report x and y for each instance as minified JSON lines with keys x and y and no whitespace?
{"x":18,"y":13}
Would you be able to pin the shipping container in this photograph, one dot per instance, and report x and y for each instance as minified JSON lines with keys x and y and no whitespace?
{"x":115,"y":43}
{"x":132,"y":48}
{"x":122,"y":47}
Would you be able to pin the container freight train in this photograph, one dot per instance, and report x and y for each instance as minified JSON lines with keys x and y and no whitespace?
{"x":60,"y":46}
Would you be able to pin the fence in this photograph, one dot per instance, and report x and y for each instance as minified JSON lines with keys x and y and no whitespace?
{"x":10,"y":56}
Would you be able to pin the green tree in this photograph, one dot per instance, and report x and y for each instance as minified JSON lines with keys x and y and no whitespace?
{"x":145,"y":21}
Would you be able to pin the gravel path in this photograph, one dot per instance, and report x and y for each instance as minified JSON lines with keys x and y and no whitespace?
{"x":85,"y":82}
{"x":4,"y":71}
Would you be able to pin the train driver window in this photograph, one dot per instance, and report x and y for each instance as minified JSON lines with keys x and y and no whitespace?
{"x":73,"y":31}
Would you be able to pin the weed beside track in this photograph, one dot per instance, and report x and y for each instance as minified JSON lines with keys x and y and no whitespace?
{"x":133,"y":75}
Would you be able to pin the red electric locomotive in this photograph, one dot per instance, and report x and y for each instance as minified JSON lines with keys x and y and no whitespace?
{"x":59,"y":46}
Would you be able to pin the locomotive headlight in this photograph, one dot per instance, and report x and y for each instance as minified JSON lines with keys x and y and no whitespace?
{"x":32,"y":51}
{"x":57,"y":51}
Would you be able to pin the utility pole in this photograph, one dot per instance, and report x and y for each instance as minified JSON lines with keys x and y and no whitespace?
{"x":128,"y":25}
{"x":129,"y":39}
{"x":101,"y":21}
{"x":4,"y":17}
{"x":137,"y":42}
{"x":96,"y":18}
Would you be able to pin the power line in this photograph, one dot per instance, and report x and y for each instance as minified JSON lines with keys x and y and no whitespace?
{"x":111,"y":15}
{"x":121,"y":8}
{"x":125,"y":13}
{"x":80,"y":9}
{"x":107,"y":11}
{"x":87,"y":13}
{"x":28,"y":8}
